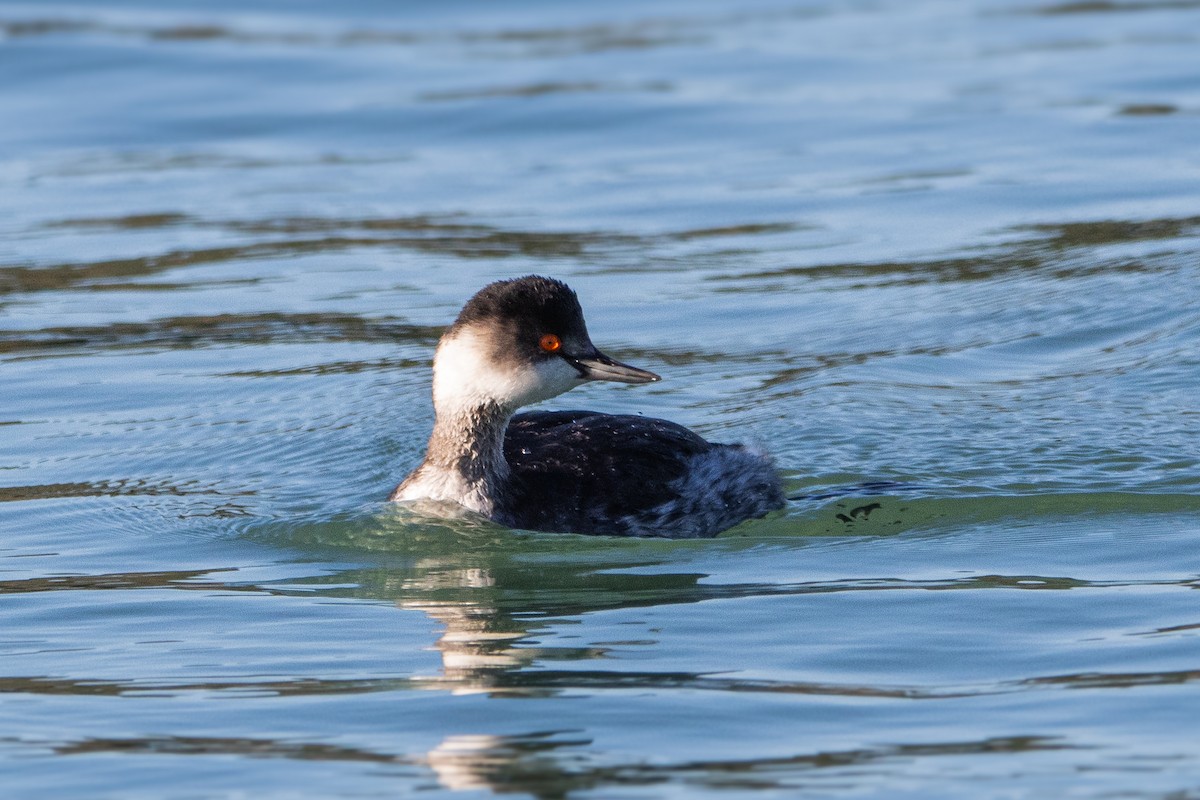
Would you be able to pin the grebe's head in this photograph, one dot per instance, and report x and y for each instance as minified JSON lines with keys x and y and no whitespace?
{"x":518,"y":342}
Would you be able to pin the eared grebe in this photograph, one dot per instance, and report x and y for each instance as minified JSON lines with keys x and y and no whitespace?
{"x":522,"y":341}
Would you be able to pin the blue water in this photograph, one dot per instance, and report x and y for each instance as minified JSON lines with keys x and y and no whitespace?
{"x":941,"y":259}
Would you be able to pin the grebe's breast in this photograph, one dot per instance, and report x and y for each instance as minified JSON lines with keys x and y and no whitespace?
{"x":625,"y":475}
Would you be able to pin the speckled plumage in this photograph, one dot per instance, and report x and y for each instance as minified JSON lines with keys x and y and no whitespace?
{"x":622,"y":475}
{"x":568,"y":471}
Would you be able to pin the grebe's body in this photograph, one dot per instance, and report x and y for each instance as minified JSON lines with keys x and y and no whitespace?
{"x":522,"y":341}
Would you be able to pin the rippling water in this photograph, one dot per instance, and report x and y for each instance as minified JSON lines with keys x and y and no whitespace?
{"x":940,"y":258}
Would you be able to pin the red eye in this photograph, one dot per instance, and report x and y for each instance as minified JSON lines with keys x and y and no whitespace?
{"x":550,"y":343}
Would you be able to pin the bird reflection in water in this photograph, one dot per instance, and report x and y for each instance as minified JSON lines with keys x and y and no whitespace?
{"x":528,"y":764}
{"x":478,"y":641}
{"x":499,"y":597}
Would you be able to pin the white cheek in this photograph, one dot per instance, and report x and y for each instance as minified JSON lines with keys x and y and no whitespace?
{"x":554,"y":376}
{"x":466,"y":375}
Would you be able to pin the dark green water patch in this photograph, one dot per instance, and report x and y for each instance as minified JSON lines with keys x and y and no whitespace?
{"x":888,"y":514}
{"x":1068,"y":235}
{"x":541,"y":89}
{"x":461,"y":240}
{"x":1147,"y":110}
{"x":121,"y":581}
{"x":449,"y":235}
{"x":224,"y":746}
{"x":114,"y":488}
{"x":331,"y":368}
{"x":532,"y":42}
{"x":1057,"y":252}
{"x":131,"y":222}
{"x":217,"y":330}
{"x":1105,"y":680}
{"x":1111,"y":7}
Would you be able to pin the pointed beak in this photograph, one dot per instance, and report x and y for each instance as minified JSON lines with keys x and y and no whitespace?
{"x":598,"y":367}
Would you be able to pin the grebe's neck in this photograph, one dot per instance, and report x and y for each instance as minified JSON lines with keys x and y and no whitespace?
{"x":464,"y":462}
{"x":470,"y":441}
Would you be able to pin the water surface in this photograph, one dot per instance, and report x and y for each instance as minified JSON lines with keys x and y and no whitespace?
{"x":940,"y":259}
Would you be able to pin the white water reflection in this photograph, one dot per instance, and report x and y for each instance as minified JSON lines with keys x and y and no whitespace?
{"x":476,"y":640}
